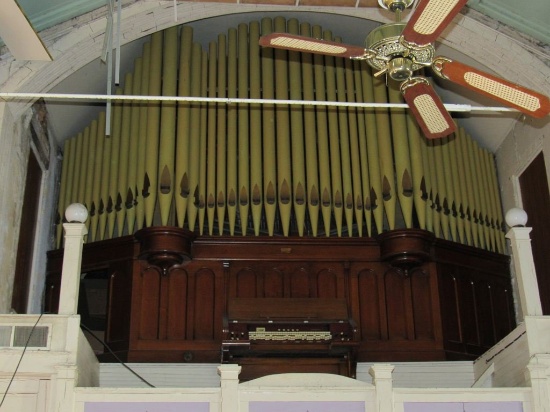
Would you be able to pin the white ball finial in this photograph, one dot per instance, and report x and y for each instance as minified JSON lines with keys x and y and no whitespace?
{"x":76,"y":213}
{"x":516,"y":217}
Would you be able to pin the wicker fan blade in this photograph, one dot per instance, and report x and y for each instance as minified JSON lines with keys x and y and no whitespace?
{"x":429,"y":19}
{"x":525,"y":100}
{"x":310,"y":45}
{"x":427,"y":108}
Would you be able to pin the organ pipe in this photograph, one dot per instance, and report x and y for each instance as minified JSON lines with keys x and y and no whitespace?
{"x":266,"y":169}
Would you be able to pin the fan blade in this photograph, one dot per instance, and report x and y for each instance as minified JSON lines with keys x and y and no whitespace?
{"x":18,"y":34}
{"x":525,"y":100}
{"x":309,"y":45}
{"x":426,"y":106}
{"x":429,"y":19}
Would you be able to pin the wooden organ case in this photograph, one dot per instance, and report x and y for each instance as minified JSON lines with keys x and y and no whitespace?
{"x":404,"y":296}
{"x":198,"y":208}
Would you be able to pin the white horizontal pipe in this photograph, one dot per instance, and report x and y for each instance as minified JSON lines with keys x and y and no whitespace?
{"x":102,"y":97}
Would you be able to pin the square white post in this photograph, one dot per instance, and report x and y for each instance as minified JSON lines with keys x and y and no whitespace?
{"x":70,"y":274}
{"x":524,"y":266}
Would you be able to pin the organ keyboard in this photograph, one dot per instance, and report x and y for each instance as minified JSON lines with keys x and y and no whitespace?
{"x":275,"y":335}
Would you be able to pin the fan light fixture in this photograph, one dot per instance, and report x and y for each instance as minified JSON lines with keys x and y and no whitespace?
{"x":399,"y":49}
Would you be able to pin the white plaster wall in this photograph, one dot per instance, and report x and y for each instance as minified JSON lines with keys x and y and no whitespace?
{"x":74,"y":44}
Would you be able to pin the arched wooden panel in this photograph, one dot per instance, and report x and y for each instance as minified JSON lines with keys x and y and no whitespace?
{"x":468,"y":309}
{"x":247,"y":282}
{"x":448,"y":291}
{"x":502,"y":305}
{"x":150,"y":301}
{"x":177,"y":306}
{"x":422,"y":304}
{"x":327,"y":284}
{"x":204,"y":305}
{"x":484,"y":304}
{"x":273,"y":284}
{"x":299,"y":284}
{"x":370,"y":326}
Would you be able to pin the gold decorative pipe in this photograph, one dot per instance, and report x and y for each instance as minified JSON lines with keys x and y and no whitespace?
{"x":124,"y":155}
{"x":167,"y":136}
{"x":88,"y":194}
{"x":344,"y":134}
{"x":153,"y":127}
{"x":282,"y":129}
{"x":450,"y":206}
{"x":142,"y":139}
{"x":131,"y":191}
{"x":256,"y":174}
{"x":385,"y":152}
{"x":181,"y":182}
{"x":323,"y":150}
{"x":98,"y":165}
{"x":268,"y":132}
{"x":417,"y":170}
{"x":244,"y":136}
{"x":221,"y":166}
{"x":195,"y":135}
{"x":299,"y":187}
{"x":310,"y":136}
{"x":211,"y":140}
{"x":65,"y":188}
{"x":374,"y":201}
{"x":115,"y":200}
{"x":362,"y":150}
{"x":201,"y":194}
{"x":232,"y":132}
{"x":400,"y":139}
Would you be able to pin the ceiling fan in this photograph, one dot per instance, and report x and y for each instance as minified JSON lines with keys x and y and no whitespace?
{"x":399,"y":49}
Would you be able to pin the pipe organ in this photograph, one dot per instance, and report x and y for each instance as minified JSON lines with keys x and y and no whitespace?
{"x":200,"y":207}
{"x":252,"y":169}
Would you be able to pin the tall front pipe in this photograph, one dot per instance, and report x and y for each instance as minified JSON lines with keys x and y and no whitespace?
{"x":256,"y":174}
{"x":374,"y":201}
{"x":194,"y":138}
{"x":222,"y":171}
{"x":322,"y":136}
{"x":268,"y":132}
{"x":299,"y":187}
{"x":334,"y":140}
{"x":131,"y":187}
{"x":243,"y":137}
{"x":114,"y":201}
{"x":153,"y":124}
{"x":310,"y":136}
{"x":385,"y":153}
{"x":124,"y":156}
{"x":232,"y":132}
{"x":167,"y":137}
{"x":181,"y":190}
{"x":401,"y":154}
{"x":142,"y":139}
{"x":282,"y":119}
{"x":211,"y":139}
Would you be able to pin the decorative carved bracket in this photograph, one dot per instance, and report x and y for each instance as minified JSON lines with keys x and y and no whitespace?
{"x":165,"y":247}
{"x":406,"y":248}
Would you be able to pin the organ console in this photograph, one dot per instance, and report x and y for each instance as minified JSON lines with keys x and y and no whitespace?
{"x":291,"y":334}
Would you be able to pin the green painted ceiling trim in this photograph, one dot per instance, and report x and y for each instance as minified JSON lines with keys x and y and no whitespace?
{"x":531,"y":18}
{"x":46,"y":14}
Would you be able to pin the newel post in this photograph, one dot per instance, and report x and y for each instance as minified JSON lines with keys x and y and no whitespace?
{"x":524,"y":266}
{"x":76,"y":214}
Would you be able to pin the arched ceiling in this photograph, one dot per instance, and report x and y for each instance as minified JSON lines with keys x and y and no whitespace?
{"x":50,"y":14}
